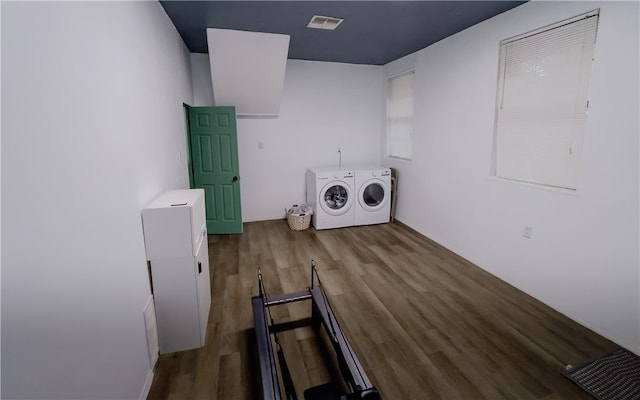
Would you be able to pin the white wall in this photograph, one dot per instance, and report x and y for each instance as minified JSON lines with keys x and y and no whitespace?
{"x":583,"y":257}
{"x":93,"y":130}
{"x":0,"y":209}
{"x":324,"y":106}
{"x":201,"y":80}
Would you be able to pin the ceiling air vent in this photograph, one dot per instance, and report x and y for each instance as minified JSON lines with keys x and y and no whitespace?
{"x":321,"y":22}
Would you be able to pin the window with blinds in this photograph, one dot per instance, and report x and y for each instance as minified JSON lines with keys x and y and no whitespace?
{"x":542,"y":102}
{"x":400,"y":115}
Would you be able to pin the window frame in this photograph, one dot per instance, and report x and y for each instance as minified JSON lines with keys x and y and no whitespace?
{"x":409,"y":139}
{"x":568,"y":178}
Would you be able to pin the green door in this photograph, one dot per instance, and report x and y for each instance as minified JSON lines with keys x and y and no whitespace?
{"x":214,"y":160}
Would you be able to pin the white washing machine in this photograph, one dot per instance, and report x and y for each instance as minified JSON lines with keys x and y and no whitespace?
{"x":330,"y":192}
{"x":373,"y":204}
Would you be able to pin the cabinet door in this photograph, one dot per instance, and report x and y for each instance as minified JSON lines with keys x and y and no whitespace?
{"x":174,"y":291}
{"x":168,"y":232}
{"x":203,"y":287}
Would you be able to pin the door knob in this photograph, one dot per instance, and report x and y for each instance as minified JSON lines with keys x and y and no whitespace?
{"x":235,"y":178}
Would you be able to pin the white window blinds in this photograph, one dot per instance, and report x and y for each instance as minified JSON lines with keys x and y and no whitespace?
{"x":542,"y":105}
{"x":400,"y":115}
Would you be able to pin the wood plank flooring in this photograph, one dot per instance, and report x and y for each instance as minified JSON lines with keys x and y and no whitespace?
{"x":425,"y":323}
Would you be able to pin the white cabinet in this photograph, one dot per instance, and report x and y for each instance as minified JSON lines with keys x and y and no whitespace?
{"x":175,"y":237}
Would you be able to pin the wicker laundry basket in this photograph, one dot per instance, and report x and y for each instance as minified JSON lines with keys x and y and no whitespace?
{"x":298,"y":222}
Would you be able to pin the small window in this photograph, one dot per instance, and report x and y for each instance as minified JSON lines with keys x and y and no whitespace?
{"x":542,"y":102}
{"x":400,"y":115}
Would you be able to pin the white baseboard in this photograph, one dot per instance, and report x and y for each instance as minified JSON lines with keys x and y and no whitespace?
{"x":147,"y":386}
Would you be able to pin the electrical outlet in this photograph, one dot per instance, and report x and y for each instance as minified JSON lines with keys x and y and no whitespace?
{"x":527,"y":231}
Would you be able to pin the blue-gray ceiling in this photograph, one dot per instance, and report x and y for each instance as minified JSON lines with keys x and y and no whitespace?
{"x":373,"y":32}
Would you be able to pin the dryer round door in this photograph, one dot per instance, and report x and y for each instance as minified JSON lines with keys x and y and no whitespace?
{"x":373,"y":194}
{"x":336,"y":198}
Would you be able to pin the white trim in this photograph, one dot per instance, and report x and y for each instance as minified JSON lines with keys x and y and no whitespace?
{"x":556,"y":189}
{"x":549,"y":27}
{"x":411,"y":70}
{"x":147,"y":386}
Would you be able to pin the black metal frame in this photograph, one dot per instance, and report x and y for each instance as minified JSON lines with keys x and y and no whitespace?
{"x":350,"y":367}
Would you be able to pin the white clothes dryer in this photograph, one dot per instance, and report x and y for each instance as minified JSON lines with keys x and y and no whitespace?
{"x":331,"y":195}
{"x":373,"y":205}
